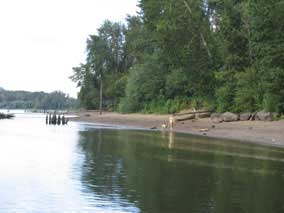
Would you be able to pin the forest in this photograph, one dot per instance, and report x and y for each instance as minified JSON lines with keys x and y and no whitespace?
{"x":218,"y":55}
{"x":36,"y":100}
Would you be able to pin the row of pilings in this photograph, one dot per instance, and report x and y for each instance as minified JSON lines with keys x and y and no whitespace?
{"x":54,"y":119}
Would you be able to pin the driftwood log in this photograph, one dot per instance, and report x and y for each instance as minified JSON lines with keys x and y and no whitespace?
{"x":191,"y":112}
{"x":184,"y":116}
{"x":203,"y":115}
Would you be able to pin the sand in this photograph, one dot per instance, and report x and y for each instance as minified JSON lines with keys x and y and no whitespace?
{"x":269,"y":133}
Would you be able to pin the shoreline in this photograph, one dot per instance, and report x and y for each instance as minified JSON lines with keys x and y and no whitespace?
{"x":258,"y":132}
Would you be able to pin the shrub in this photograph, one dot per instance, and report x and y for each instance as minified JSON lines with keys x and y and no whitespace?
{"x":225,"y":92}
{"x":271,"y":103}
{"x":247,"y":95}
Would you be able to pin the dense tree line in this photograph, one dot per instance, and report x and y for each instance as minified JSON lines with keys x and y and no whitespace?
{"x":36,"y":100}
{"x":223,"y":55}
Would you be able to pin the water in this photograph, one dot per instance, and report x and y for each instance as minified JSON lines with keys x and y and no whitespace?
{"x":87,"y":168}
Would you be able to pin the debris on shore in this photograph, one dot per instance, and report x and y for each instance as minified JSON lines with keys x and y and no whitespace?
{"x":6,"y":116}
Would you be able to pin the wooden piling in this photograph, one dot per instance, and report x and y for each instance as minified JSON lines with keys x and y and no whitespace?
{"x":49,"y":119}
{"x":63,"y":120}
{"x":59,"y":120}
{"x":53,"y":121}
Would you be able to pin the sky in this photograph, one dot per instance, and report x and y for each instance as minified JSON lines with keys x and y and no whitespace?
{"x":41,"y":40}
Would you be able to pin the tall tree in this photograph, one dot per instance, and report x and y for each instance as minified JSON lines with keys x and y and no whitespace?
{"x":222,"y":54}
{"x":113,"y":35}
{"x":268,"y":48}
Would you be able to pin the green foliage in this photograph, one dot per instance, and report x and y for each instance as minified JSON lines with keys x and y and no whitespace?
{"x":88,"y":95}
{"x":166,"y":106}
{"x":268,"y":33}
{"x":165,"y":59}
{"x":267,"y":46}
{"x":141,"y":89}
{"x":247,"y":96}
{"x":225,"y":92}
{"x":114,"y":90}
{"x":271,"y":102}
{"x":177,"y":84}
{"x":202,"y":103}
{"x":274,"y":90}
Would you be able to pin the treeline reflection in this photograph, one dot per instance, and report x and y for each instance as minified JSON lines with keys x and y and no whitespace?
{"x":164,"y":172}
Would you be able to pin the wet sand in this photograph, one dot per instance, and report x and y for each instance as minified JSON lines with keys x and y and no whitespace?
{"x":269,"y":133}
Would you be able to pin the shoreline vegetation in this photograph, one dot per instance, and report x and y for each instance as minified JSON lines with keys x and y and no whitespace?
{"x":260,"y":132}
{"x":222,"y":56}
{"x":218,"y":56}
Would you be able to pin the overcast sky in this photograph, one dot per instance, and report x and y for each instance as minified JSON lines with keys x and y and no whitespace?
{"x":41,"y":40}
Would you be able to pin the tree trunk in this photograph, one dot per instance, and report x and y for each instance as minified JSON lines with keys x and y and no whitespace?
{"x":205,"y":44}
{"x":101,"y":97}
{"x":249,"y":35}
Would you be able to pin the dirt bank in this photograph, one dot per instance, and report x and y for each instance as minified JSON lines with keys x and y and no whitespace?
{"x":270,"y":133}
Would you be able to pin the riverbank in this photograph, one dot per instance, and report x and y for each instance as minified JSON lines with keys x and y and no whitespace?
{"x":270,"y":133}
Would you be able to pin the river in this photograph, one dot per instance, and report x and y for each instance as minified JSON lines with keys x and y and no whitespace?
{"x":93,"y":168}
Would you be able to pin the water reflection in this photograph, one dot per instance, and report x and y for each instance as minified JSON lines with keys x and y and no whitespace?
{"x":87,"y":168}
{"x":102,"y":171}
{"x":164,"y":172}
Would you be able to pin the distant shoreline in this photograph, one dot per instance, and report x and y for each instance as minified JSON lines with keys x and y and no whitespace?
{"x":266,"y":133}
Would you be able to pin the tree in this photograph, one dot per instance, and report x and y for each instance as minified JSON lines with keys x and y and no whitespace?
{"x":224,"y":55}
{"x":231,"y":32}
{"x":268,"y":45}
{"x":182,"y":27}
{"x":104,"y":65}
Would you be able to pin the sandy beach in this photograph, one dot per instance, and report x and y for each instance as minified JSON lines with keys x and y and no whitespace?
{"x":269,"y":133}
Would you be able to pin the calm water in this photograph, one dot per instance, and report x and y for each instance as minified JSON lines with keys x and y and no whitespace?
{"x":85,"y":168}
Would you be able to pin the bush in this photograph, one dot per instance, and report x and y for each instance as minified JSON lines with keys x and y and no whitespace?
{"x":145,"y":84}
{"x":274,"y":89}
{"x":247,"y":97}
{"x":271,"y":103}
{"x":225,"y":92}
{"x":225,"y":98}
{"x":128,"y":105}
{"x":162,"y":106}
{"x":177,"y":84}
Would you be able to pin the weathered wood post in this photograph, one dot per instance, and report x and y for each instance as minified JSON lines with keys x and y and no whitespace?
{"x":63,"y":120}
{"x":59,"y":120}
{"x":54,"y":119}
{"x":49,"y":118}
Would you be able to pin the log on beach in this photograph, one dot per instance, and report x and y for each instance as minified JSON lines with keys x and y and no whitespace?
{"x":190,"y":115}
{"x":189,"y":112}
{"x":185,"y":117}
